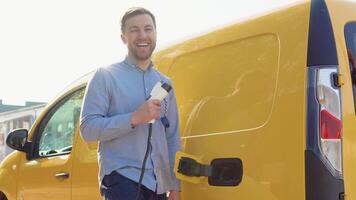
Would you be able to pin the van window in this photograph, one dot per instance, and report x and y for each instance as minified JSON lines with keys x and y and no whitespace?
{"x":350,"y":36}
{"x":58,"y":127}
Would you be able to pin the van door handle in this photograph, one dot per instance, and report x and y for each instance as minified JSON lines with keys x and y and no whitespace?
{"x":63,"y":175}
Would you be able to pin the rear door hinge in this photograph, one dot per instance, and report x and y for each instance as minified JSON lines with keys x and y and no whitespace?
{"x":338,"y":80}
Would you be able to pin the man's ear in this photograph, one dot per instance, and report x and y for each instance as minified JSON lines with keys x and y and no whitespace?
{"x":123,"y":38}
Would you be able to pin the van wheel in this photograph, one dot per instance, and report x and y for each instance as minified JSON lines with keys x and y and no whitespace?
{"x":2,"y":196}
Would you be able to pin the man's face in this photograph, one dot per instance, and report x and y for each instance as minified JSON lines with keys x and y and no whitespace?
{"x":140,"y":37}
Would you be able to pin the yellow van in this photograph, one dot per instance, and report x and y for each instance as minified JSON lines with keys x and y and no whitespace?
{"x":267,"y":111}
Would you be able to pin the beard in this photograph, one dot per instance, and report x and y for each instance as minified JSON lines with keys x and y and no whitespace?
{"x":142,"y":55}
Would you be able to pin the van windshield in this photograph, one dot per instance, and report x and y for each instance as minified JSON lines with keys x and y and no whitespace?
{"x":350,"y":37}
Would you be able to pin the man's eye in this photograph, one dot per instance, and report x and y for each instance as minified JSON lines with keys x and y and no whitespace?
{"x":133,"y":30}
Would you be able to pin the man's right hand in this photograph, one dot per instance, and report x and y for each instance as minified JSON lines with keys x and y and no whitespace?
{"x":146,"y":112}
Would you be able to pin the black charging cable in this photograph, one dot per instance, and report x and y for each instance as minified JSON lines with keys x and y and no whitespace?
{"x":159,"y":91}
{"x":148,"y":149}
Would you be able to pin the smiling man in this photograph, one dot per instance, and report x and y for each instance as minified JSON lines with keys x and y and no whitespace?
{"x":116,"y":113}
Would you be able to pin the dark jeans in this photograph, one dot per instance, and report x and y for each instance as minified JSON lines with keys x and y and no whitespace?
{"x":118,"y":187}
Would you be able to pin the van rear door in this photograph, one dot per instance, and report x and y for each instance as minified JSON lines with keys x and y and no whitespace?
{"x":349,"y":127}
{"x":343,"y":18}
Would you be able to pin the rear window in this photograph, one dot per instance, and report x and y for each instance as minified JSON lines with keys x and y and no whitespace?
{"x":350,"y":36}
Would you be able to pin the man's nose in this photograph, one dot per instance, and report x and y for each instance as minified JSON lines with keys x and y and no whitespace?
{"x":142,"y":34}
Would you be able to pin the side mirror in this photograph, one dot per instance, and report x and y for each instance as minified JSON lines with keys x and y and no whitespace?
{"x":17,"y":139}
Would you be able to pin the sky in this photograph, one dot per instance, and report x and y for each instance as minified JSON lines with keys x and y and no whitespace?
{"x":47,"y":44}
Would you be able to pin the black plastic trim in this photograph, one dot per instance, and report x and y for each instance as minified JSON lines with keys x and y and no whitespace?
{"x":312,"y":111}
{"x":321,"y":41}
{"x":319,"y":182}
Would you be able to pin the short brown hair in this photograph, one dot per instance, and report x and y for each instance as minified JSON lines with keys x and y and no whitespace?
{"x":131,"y":12}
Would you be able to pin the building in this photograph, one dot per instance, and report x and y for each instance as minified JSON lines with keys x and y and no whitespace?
{"x":14,"y":117}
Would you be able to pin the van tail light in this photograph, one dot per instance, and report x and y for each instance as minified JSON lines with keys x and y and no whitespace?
{"x":330,"y":122}
{"x":330,"y":126}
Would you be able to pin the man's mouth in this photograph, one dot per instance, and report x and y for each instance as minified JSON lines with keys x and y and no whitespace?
{"x":142,"y":44}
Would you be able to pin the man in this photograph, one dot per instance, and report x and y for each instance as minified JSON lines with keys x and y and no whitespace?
{"x":116,"y":113}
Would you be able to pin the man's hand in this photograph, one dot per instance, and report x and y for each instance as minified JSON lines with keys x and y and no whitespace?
{"x":146,"y":112}
{"x":174,"y":195}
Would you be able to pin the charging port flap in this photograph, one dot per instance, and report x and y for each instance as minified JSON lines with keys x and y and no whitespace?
{"x":189,"y":168}
{"x":226,"y":172}
{"x":220,"y":172}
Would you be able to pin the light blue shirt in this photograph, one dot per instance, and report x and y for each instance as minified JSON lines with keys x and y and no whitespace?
{"x":111,"y":97}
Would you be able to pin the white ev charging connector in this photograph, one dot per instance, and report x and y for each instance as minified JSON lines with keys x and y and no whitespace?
{"x":159,"y":92}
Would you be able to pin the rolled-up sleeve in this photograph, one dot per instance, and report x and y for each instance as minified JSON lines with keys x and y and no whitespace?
{"x":95,"y":125}
{"x":173,"y":138}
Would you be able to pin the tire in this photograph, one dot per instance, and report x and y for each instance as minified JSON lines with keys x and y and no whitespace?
{"x":2,"y":196}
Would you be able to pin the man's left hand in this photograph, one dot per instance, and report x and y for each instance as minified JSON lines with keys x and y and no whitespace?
{"x":174,"y":195}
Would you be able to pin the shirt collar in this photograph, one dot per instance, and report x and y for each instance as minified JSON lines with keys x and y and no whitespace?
{"x":131,"y":64}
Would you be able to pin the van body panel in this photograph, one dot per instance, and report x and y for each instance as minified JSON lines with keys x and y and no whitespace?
{"x":230,"y":85}
{"x":271,"y":169}
{"x":9,"y":174}
{"x":8,"y":188}
{"x":37,"y":178}
{"x":343,"y":12}
{"x":85,"y":184}
{"x":40,"y":175}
